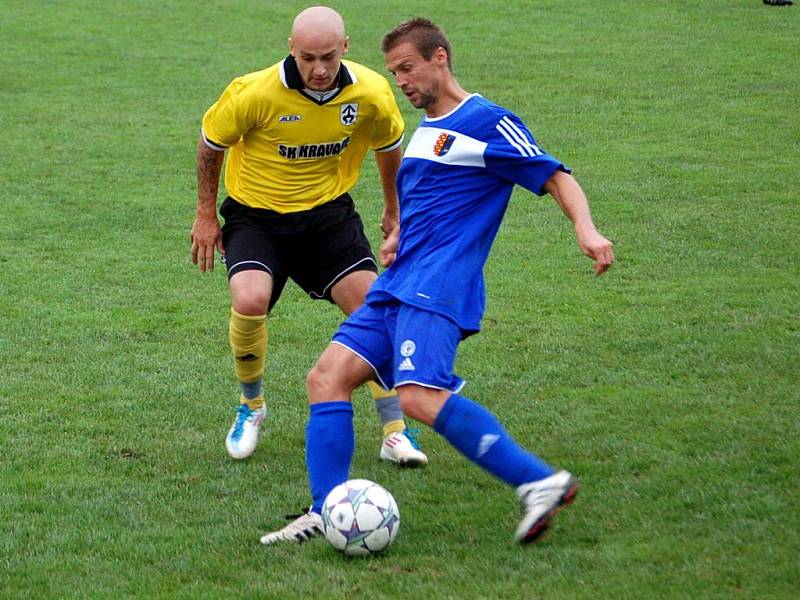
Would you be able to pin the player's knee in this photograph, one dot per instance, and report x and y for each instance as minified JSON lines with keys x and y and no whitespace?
{"x":411,"y":405}
{"x":322,"y":384}
{"x":315,"y":381}
{"x":421,"y":403}
{"x":250,"y":292}
{"x":252,"y":303}
{"x":332,"y":379}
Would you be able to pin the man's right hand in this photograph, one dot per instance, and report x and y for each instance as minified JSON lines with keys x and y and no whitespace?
{"x":205,"y":236}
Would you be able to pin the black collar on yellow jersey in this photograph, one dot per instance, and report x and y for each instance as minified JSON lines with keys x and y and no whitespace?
{"x":290,"y":76}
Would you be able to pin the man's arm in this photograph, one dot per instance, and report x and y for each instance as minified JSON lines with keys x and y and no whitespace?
{"x":206,"y":232}
{"x":570,"y":197}
{"x":388,"y":165}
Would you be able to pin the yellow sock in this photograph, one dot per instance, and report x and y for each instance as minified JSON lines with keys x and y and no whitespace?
{"x":378,"y":392}
{"x":254,"y":403}
{"x":388,"y":408}
{"x":248,"y":337}
{"x":393,"y":426}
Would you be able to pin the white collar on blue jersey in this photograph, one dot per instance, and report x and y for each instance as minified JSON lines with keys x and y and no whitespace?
{"x":460,"y":104}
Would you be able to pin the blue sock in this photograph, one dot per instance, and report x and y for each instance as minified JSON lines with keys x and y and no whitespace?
{"x":330,"y":443}
{"x":478,"y":435}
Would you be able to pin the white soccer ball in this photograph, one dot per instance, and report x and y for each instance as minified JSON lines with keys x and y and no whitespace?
{"x":360,"y":517}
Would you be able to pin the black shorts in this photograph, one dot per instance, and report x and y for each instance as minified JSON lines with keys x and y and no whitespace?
{"x":316,"y":247}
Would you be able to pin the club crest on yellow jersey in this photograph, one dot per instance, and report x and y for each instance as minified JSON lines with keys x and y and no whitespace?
{"x":348,"y":113}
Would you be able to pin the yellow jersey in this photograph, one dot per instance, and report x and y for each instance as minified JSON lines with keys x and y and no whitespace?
{"x":290,"y":149}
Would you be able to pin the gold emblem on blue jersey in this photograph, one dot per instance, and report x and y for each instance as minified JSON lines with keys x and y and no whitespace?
{"x":443,"y":143}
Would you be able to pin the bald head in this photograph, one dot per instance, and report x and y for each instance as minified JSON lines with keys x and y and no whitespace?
{"x":317,"y":44}
{"x":318,"y":21}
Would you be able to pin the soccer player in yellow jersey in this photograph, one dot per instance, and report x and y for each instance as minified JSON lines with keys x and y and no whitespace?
{"x":296,"y":134}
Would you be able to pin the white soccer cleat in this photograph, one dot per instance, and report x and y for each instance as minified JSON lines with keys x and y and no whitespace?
{"x":243,"y":435}
{"x":540,"y":501}
{"x":402,"y":449}
{"x":301,"y":529}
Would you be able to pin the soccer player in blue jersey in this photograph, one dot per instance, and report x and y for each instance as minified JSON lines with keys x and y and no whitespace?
{"x":454,"y":183}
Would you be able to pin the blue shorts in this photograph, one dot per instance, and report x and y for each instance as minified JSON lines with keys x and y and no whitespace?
{"x":404,"y":345}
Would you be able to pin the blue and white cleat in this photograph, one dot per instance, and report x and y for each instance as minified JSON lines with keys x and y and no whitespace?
{"x":243,"y":435}
{"x":540,"y":501}
{"x":402,"y":449}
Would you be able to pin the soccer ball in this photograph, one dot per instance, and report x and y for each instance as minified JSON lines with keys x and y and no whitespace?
{"x":360,"y":518}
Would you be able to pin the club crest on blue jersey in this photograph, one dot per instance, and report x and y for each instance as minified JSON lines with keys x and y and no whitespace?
{"x":348,"y":113}
{"x":443,"y":143}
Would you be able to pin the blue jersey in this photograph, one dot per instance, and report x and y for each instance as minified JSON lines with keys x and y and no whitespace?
{"x":454,"y":185}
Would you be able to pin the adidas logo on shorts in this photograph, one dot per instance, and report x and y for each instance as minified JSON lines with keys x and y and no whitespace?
{"x":406,"y":365}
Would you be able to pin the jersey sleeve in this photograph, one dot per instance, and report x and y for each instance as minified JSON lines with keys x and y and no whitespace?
{"x":513,"y":154}
{"x":387,"y":133}
{"x":229,"y":118}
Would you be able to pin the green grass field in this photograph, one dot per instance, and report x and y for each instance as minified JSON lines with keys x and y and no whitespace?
{"x":669,"y":386}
